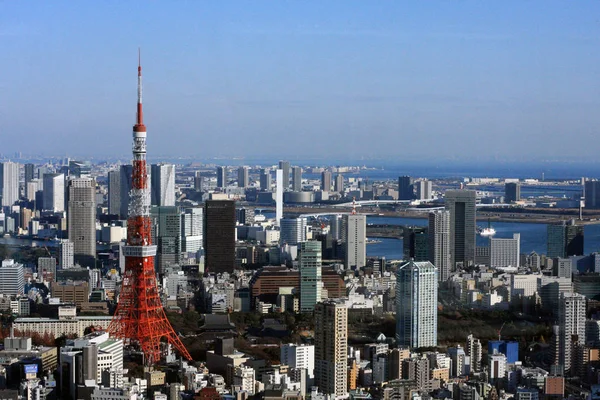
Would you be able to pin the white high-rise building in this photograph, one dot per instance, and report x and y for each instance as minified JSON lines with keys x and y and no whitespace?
{"x":439,"y":243}
{"x":505,"y":252}
{"x":416,"y":304}
{"x":54,"y":192}
{"x":496,"y":366}
{"x":12,"y":278}
{"x":244,"y":378}
{"x":355,"y":240}
{"x":475,"y":352}
{"x":81,"y":219}
{"x":191,"y":229}
{"x":293,"y":230}
{"x":279,"y":196}
{"x":32,"y":187}
{"x":424,"y":190}
{"x":331,"y":348}
{"x":9,"y":183}
{"x":299,"y":356}
{"x":66,"y":254}
{"x":163,"y":184}
{"x":571,"y":322}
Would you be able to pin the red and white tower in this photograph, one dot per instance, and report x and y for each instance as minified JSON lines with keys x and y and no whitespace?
{"x":140,"y":317}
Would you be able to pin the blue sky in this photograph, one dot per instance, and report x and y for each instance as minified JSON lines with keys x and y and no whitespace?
{"x":507,"y":80}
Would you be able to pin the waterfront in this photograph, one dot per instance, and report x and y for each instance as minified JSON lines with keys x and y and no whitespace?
{"x":533,"y":236}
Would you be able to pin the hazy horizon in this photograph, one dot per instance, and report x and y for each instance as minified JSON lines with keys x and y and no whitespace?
{"x":508,"y":81}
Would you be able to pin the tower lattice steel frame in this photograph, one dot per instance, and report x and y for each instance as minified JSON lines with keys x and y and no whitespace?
{"x":140,"y":317}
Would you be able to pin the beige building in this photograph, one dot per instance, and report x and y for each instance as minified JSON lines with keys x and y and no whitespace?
{"x":67,"y":323}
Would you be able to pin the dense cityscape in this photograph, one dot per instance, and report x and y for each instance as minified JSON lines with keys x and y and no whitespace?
{"x":349,"y":201}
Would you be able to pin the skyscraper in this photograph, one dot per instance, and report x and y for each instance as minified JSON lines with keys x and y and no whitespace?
{"x":265,"y":179}
{"x":505,"y":252}
{"x":565,"y":239}
{"x":592,"y":194}
{"x":424,"y":189}
{"x":331,"y":348}
{"x":339,"y":183}
{"x":571,"y":321}
{"x":219,"y":235}
{"x":54,"y":192}
{"x":163,"y":184}
{"x":355,"y":240}
{"x":326,"y":181}
{"x":292,"y":230}
{"x":415,"y":243}
{"x":243,"y":177}
{"x":81,"y":217}
{"x":285,"y":167}
{"x":29,"y":170}
{"x":461,"y":204}
{"x":166,"y":235}
{"x":439,"y":243}
{"x":114,"y":192}
{"x":12,"y":280}
{"x":416,"y":304}
{"x":9,"y":183}
{"x":221,"y":177}
{"x":512,"y":192}
{"x":125,"y":173}
{"x":310,"y":275}
{"x":297,"y":179}
{"x":278,"y":196}
{"x":191,"y":229}
{"x":405,"y":188}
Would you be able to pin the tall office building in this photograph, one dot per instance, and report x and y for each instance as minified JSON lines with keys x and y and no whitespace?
{"x":565,"y":240}
{"x":415,"y":244}
{"x":166,"y":235}
{"x":512,"y":192}
{"x":292,"y":230}
{"x":243,"y":177}
{"x":80,"y":169}
{"x":505,"y":252}
{"x":310,"y":275}
{"x":191,"y":229}
{"x":331,"y":348}
{"x":221,"y":177}
{"x":326,"y":181}
{"x":29,"y":170}
{"x":592,"y":194}
{"x":114,"y":192}
{"x":571,"y":321}
{"x":297,"y":179}
{"x":284,"y":166}
{"x":461,"y":204}
{"x":66,"y":256}
{"x":354,"y":231}
{"x":54,"y":192}
{"x":12,"y":278}
{"x":405,"y":188}
{"x":416,"y":304}
{"x":474,"y":350}
{"x":278,"y":196}
{"x":219,"y":235}
{"x":424,"y":189}
{"x":9,"y":183}
{"x":339,"y":183}
{"x":163,"y":184}
{"x":265,"y":179}
{"x":439,"y":243}
{"x":32,"y":187}
{"x":81,"y":220}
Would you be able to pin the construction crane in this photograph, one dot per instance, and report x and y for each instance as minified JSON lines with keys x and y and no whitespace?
{"x":500,"y":330}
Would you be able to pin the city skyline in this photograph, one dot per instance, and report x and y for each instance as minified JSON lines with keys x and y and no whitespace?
{"x":277,"y":78}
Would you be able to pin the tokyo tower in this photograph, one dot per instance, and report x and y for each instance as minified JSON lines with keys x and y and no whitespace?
{"x":140,"y":317}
